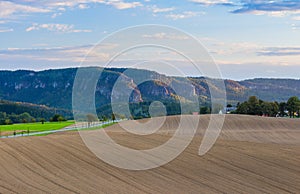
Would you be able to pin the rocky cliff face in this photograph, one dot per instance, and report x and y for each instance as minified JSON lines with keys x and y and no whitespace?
{"x":54,"y":87}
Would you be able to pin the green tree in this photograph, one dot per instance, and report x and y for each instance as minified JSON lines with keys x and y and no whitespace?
{"x":25,"y":117}
{"x":243,"y":108}
{"x":60,"y":119}
{"x":293,"y":106}
{"x":275,"y":109}
{"x":8,"y":122}
{"x":204,"y":110}
{"x":57,"y":118}
{"x":282,"y":109}
{"x":113,"y":117}
{"x":3,"y":117}
{"x":250,"y":107}
{"x":42,"y":120}
{"x":269,"y":108}
{"x":254,"y":106}
{"x":266,"y":108}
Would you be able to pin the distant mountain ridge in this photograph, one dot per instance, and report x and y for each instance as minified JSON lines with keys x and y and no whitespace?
{"x":53,"y":88}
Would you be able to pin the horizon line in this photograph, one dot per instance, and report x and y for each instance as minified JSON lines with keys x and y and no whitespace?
{"x":200,"y":76}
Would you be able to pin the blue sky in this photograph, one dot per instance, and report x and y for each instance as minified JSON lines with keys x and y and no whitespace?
{"x":246,"y":38}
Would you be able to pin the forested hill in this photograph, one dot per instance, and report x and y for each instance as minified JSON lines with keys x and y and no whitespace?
{"x":53,"y":88}
{"x":36,"y":111}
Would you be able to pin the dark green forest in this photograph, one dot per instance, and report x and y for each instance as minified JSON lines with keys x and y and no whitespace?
{"x":17,"y":112}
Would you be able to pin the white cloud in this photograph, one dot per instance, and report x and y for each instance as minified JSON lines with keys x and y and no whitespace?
{"x":278,"y":8}
{"x":8,"y":9}
{"x":55,"y":15}
{"x":6,"y":30}
{"x":280,"y":51}
{"x":232,"y":51}
{"x":60,"y":55}
{"x":184,"y":15}
{"x":156,"y":9}
{"x":118,"y":4}
{"x":274,"y":13}
{"x":61,"y":9}
{"x":211,"y":2}
{"x":83,"y":6}
{"x":63,"y":28}
{"x":66,"y":3}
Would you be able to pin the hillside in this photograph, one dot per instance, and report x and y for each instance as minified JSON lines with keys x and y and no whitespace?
{"x":36,"y":111}
{"x":240,"y":162}
{"x":53,"y":88}
{"x":273,"y":89}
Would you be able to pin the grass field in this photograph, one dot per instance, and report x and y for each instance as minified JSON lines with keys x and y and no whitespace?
{"x":35,"y":127}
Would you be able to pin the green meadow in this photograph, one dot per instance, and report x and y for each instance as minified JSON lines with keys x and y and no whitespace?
{"x":36,"y":127}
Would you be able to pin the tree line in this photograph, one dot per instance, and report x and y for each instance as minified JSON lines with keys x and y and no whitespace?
{"x":255,"y":106}
{"x":8,"y":119}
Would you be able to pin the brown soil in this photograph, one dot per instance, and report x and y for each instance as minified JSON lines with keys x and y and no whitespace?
{"x":253,"y":155}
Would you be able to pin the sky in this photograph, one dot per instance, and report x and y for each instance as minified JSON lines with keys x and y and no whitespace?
{"x":245,"y":38}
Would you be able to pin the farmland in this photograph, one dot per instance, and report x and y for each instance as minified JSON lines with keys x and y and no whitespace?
{"x":34,"y":127}
{"x":252,"y":155}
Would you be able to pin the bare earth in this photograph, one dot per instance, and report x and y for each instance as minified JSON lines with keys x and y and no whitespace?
{"x":253,"y":155}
